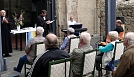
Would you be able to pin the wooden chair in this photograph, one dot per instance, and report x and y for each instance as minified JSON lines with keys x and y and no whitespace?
{"x":73,"y":43}
{"x":60,"y":68}
{"x":118,"y":50}
{"x":39,"y":49}
{"x":88,"y":64}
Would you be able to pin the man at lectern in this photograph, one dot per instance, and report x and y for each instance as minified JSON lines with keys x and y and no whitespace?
{"x":71,"y":21}
{"x":43,"y":22}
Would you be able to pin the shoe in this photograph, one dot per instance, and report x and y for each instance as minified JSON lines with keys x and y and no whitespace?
{"x":106,"y":75}
{"x":7,"y":56}
{"x":15,"y":69}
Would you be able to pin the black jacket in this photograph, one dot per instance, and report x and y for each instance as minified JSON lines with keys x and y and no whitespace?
{"x":41,"y":66}
{"x":119,"y":29}
{"x":41,"y":22}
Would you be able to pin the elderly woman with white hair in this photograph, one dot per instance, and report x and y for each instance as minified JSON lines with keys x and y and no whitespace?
{"x":107,"y":51}
{"x":30,"y":48}
{"x":70,"y":34}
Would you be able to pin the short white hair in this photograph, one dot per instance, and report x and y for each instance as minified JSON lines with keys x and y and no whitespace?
{"x":39,"y":30}
{"x":113,"y":35}
{"x":130,"y":37}
{"x":71,"y":30}
{"x":86,"y":37}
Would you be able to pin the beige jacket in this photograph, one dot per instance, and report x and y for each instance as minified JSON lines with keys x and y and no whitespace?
{"x":31,"y":46}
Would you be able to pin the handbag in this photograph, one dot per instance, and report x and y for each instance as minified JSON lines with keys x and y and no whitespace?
{"x":110,"y":65}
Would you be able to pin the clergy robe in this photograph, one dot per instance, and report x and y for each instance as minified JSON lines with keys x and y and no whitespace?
{"x":42,"y":22}
{"x":6,"y":39}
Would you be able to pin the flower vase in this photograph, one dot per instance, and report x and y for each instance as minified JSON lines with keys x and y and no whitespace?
{"x":18,"y":27}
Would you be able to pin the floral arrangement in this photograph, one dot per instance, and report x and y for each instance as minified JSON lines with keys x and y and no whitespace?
{"x":18,"y":20}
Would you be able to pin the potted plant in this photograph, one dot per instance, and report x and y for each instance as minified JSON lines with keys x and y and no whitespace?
{"x":18,"y":20}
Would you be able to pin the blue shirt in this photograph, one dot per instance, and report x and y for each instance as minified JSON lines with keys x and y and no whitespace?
{"x":63,"y":46}
{"x":107,"y":48}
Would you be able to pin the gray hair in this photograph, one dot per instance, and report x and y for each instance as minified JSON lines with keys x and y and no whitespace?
{"x":71,"y":30}
{"x":130,"y":37}
{"x":113,"y":35}
{"x":39,"y":30}
{"x":86,"y":37}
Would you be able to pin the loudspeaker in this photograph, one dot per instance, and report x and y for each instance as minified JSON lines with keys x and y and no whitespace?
{"x":121,"y":18}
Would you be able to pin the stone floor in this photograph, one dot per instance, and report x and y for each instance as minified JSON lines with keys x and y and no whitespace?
{"x":13,"y":61}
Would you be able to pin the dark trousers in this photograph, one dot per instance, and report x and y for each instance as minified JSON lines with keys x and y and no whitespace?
{"x":98,"y":61}
{"x":21,"y":63}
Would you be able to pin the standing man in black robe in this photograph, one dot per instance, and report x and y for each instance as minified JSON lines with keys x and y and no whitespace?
{"x":5,"y":33}
{"x":43,"y":22}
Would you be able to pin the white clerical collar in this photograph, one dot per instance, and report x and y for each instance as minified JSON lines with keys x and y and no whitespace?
{"x":3,"y":18}
{"x":44,"y":18}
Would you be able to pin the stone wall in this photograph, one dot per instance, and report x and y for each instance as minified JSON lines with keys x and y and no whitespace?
{"x":128,"y":13}
{"x":72,"y":6}
{"x":86,"y":14}
{"x":61,"y":16}
{"x":82,"y":10}
{"x":123,"y":10}
{"x":124,"y":1}
{"x":101,"y":16}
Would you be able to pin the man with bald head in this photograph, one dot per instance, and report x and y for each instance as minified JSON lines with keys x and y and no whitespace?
{"x":125,"y":67}
{"x":40,"y":65}
{"x":5,"y":33}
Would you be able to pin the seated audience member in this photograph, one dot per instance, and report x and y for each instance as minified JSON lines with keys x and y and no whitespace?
{"x":77,"y":54}
{"x":71,"y":21}
{"x":118,"y":26}
{"x":40,"y":65}
{"x":125,"y":67}
{"x":65,"y":44}
{"x":107,"y":51}
{"x":30,"y":48}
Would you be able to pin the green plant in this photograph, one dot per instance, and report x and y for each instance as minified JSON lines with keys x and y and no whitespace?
{"x":18,"y":20}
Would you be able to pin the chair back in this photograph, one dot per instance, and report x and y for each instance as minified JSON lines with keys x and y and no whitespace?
{"x":60,"y":68}
{"x":39,"y":48}
{"x":88,"y":64}
{"x":118,"y":50}
{"x":73,"y":43}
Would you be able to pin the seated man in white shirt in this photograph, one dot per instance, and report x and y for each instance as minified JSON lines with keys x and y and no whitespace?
{"x":71,"y":21}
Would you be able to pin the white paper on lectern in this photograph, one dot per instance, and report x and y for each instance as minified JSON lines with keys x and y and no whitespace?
{"x":51,"y":22}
